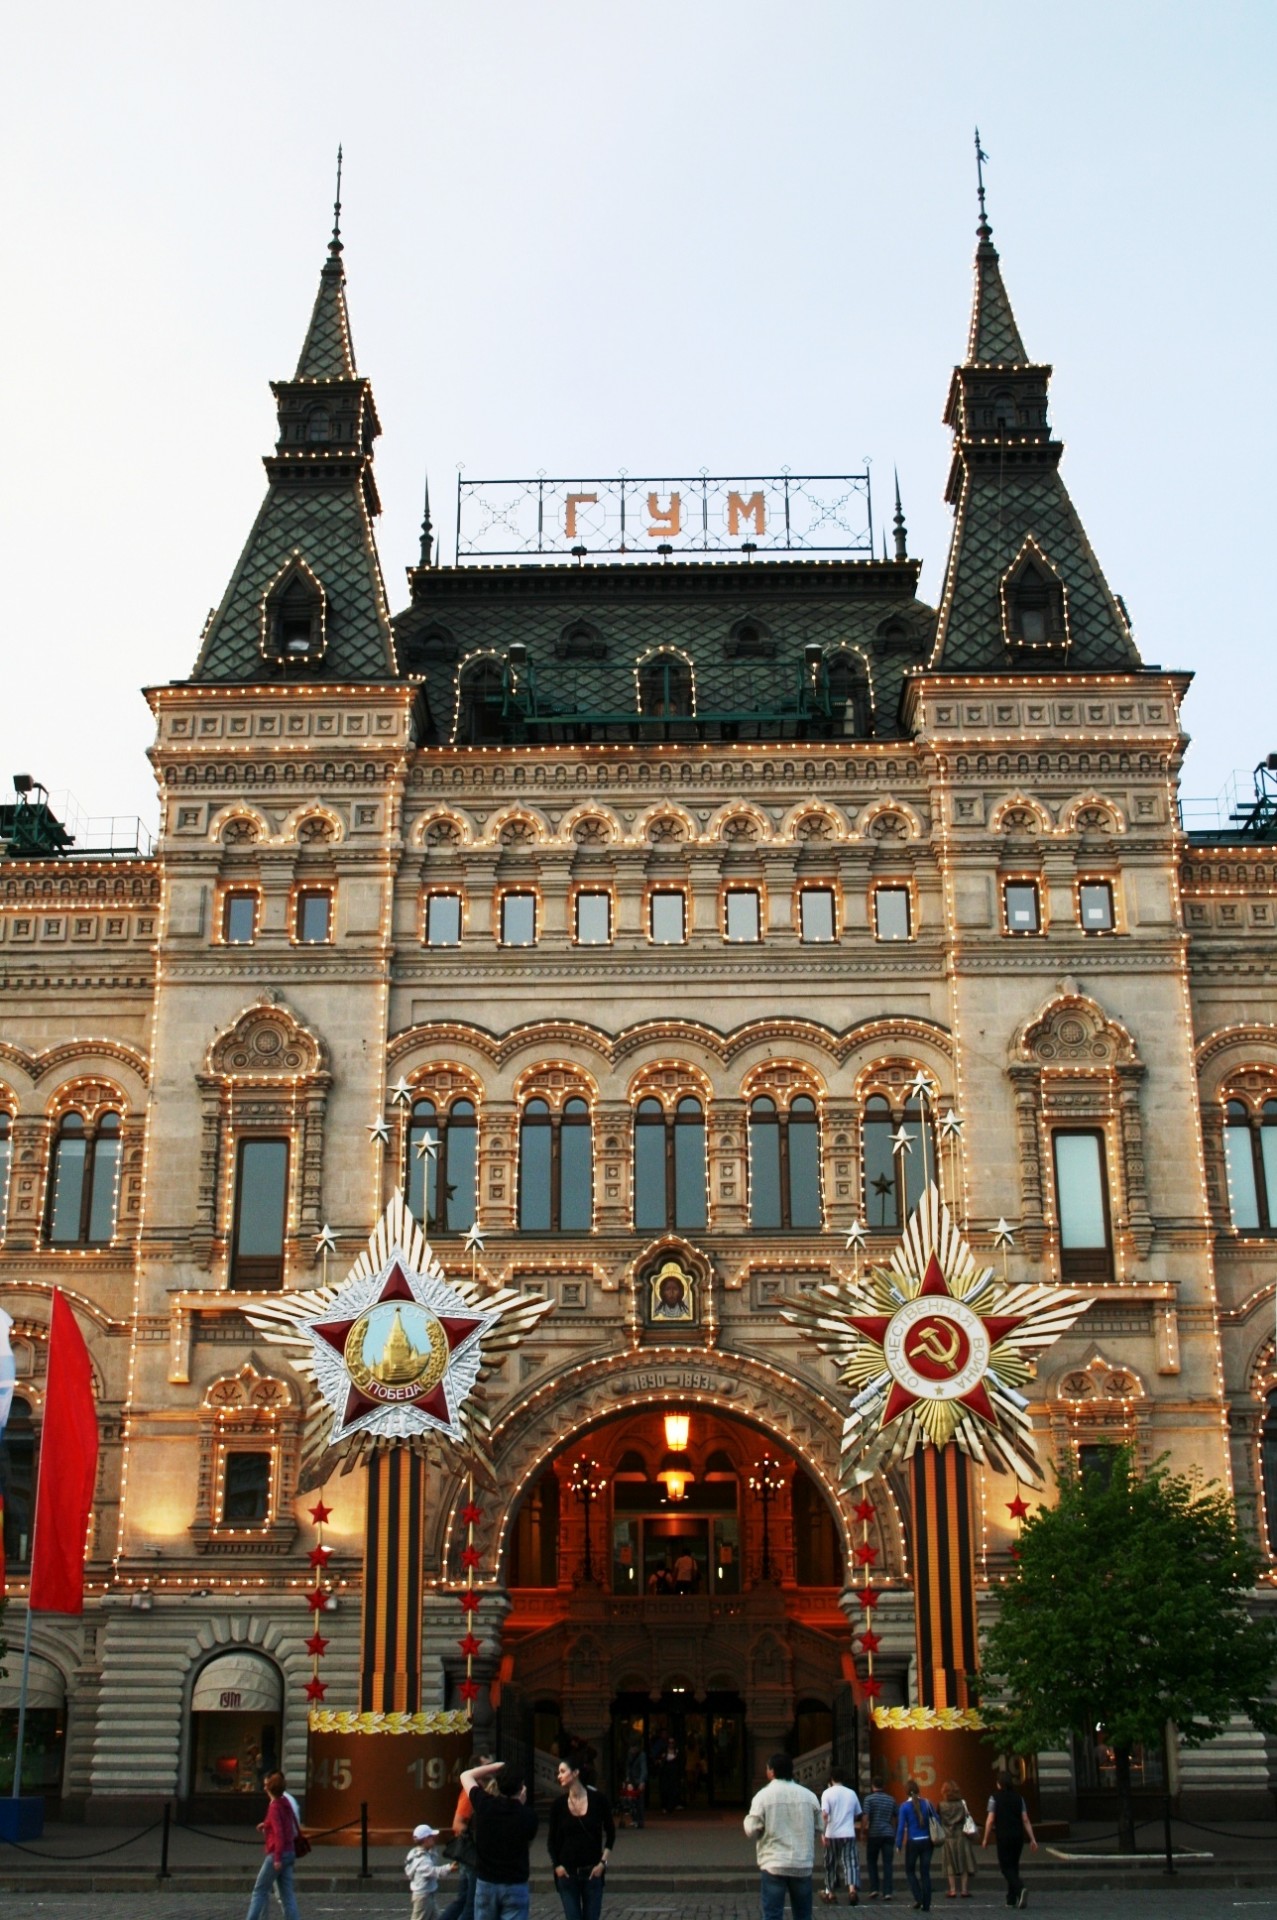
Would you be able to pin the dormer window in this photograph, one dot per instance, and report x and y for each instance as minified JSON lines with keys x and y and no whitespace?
{"x":1034,"y":601}
{"x":665,"y":685}
{"x":295,"y":622}
{"x":750,"y":640}
{"x":318,"y":426}
{"x":293,"y":615}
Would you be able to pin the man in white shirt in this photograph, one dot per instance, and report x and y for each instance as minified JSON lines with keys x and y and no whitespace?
{"x":840,"y":1805}
{"x":784,"y":1820}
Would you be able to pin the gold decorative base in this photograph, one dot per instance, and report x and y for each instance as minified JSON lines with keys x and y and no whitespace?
{"x":405,"y":1766}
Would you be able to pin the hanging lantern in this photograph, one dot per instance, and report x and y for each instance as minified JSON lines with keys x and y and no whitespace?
{"x":676,"y":1469}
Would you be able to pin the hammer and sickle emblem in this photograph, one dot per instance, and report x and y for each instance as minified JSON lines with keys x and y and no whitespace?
{"x":930,"y":1341}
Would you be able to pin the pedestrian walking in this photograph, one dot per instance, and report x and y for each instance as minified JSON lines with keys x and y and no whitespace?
{"x":916,"y":1838}
{"x":841,"y":1810}
{"x":880,"y":1839}
{"x":581,"y":1838}
{"x":959,"y":1854}
{"x":1008,"y":1822}
{"x":280,"y":1830}
{"x":460,"y":1849}
{"x":424,"y":1870}
{"x":503,"y":1824}
{"x":636,"y":1782}
{"x":784,"y":1821}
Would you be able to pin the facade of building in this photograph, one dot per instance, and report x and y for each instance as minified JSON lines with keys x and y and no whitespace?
{"x":652,"y":887}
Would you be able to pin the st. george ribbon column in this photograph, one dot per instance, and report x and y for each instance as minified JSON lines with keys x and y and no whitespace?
{"x":395,"y":1358}
{"x":934,"y":1348}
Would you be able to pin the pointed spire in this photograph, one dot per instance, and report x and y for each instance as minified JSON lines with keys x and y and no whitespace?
{"x":427,"y":529}
{"x":898,"y":525}
{"x":994,"y":336}
{"x":328,"y":353}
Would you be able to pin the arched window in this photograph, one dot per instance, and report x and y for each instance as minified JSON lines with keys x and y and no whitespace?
{"x":297,"y":622}
{"x":482,"y":698}
{"x":1267,"y":1462}
{"x":440,"y":1187}
{"x":665,"y":685}
{"x":6,"y":1156}
{"x":894,"y":1175}
{"x":848,"y":691}
{"x":1250,"y":1143}
{"x":784,"y":1164}
{"x":318,"y":426}
{"x":669,"y":1165}
{"x":84,"y":1181}
{"x":17,"y":1482}
{"x":556,"y":1181}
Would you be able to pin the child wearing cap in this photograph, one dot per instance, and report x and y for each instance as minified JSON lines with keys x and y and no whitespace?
{"x":424,"y":1869}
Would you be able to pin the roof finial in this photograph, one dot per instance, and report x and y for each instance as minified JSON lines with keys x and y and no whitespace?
{"x":427,"y":529}
{"x":984,"y":230}
{"x":901,"y":532}
{"x":334,"y":245}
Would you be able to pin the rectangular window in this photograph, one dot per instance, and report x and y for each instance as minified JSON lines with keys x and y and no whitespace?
{"x":518,"y":919}
{"x":1095,"y":903}
{"x":593,"y":919}
{"x":443,"y":920}
{"x":245,"y":1489}
{"x":261,"y":1204}
{"x":1023,"y":907}
{"x":314,"y":918}
{"x":1081,"y":1200}
{"x":239,"y":919}
{"x":669,"y":918}
{"x":741,"y":919}
{"x":816,"y":914}
{"x":891,"y":913}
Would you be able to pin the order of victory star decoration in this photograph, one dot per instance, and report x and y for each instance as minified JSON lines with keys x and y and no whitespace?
{"x":936,"y":1348}
{"x":398,"y":1351}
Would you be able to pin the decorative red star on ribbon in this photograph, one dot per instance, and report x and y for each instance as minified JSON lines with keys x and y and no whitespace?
{"x":870,"y":1641}
{"x":997,"y":1326}
{"x":320,"y":1556}
{"x":319,"y":1513}
{"x":867,"y":1597}
{"x":866,"y":1554}
{"x":317,"y":1645}
{"x":471,"y":1515}
{"x":865,"y":1510}
{"x":431,"y":1400}
{"x":469,"y":1690}
{"x":469,"y":1600}
{"x":470,"y":1557}
{"x":871,"y":1687}
{"x":1018,"y":1508}
{"x":316,"y":1688}
{"x":469,"y":1645}
{"x":316,"y":1598}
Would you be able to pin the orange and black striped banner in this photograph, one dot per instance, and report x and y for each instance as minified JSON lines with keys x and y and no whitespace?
{"x":390,"y":1663}
{"x":944,"y":1576}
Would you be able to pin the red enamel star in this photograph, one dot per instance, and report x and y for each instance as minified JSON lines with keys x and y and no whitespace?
{"x":320,"y":1556}
{"x":865,"y":1510}
{"x":317,"y":1645}
{"x":319,"y":1513}
{"x":470,"y":1557}
{"x":471,"y":1515}
{"x":997,"y":1327}
{"x":866,"y":1555}
{"x":871,"y":1687}
{"x":316,"y":1598}
{"x":1018,"y":1508}
{"x":469,"y":1600}
{"x":432,"y":1400}
{"x":469,"y":1645}
{"x":870,"y":1641}
{"x":316,"y":1689}
{"x":468,"y":1690}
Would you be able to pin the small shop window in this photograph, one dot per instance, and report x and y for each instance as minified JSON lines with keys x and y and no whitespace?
{"x":443,"y":920}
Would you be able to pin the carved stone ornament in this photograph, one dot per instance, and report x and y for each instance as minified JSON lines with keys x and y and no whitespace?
{"x":266,"y":1043}
{"x":315,"y":831}
{"x":592,"y":832}
{"x":239,"y":833}
{"x":443,"y":833}
{"x":666,"y":829}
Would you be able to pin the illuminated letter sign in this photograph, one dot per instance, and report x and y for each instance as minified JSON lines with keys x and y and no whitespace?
{"x":576,"y":500}
{"x":667,"y":522}
{"x":751,"y":509}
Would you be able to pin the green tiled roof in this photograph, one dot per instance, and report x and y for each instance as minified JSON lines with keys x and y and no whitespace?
{"x":328,"y":352}
{"x":994,"y":335}
{"x":692,"y":608}
{"x":330,"y":530}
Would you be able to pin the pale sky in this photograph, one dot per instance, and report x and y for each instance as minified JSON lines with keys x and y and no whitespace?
{"x":720,"y":234}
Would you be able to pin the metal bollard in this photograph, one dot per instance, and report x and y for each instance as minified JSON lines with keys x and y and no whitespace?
{"x":164,"y":1873}
{"x":364,"y":1874}
{"x":1166,"y":1827}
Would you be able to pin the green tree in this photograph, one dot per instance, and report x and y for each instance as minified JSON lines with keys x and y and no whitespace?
{"x":1129,"y":1606}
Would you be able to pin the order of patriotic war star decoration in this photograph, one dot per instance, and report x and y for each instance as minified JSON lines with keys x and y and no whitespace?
{"x":397,"y":1354}
{"x":936,"y":1348}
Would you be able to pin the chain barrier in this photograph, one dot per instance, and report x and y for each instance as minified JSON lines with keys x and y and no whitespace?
{"x":179,"y":1826}
{"x":100,"y":1853}
{"x":323,"y":1833}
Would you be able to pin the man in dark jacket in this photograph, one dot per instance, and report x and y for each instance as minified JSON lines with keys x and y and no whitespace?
{"x":503,"y":1824}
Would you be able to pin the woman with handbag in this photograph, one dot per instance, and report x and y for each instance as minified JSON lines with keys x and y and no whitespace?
{"x":582,"y":1835}
{"x":959,"y":1825}
{"x":282,"y":1834}
{"x":917,"y":1832}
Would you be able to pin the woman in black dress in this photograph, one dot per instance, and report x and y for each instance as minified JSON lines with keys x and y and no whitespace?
{"x":582,"y":1835}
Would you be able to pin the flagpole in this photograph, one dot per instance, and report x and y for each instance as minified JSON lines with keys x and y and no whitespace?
{"x":22,"y":1695}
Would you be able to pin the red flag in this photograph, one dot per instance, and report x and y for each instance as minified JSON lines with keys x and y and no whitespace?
{"x":68,"y":1468}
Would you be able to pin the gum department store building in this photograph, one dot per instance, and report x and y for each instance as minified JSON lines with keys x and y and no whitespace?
{"x":653,"y":887}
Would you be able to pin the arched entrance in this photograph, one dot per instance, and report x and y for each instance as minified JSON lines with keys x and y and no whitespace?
{"x":677,"y":1587}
